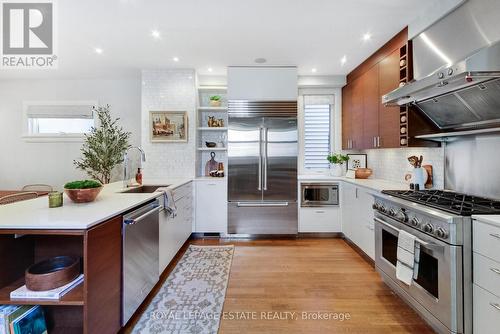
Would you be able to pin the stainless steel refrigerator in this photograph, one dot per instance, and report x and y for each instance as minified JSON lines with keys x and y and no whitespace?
{"x":262,"y":167}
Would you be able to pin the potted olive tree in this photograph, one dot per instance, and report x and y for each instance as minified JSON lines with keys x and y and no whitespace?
{"x":337,"y":161}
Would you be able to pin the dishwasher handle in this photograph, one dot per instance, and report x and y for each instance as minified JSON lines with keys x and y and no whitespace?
{"x":134,"y":220}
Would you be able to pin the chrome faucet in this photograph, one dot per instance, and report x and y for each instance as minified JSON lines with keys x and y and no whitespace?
{"x":126,"y":178}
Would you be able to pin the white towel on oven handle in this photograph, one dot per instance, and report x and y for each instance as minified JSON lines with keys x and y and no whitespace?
{"x":405,"y":257}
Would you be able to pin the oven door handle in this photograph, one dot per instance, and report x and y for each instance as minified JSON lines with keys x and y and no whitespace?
{"x":420,"y":241}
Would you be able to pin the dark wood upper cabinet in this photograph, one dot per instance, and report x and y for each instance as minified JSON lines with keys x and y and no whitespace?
{"x":366,"y":122}
{"x":388,"y":117}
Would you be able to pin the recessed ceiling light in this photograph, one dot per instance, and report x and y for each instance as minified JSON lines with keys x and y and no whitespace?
{"x":210,"y":69}
{"x":367,"y":37}
{"x":155,"y":34}
{"x":343,"y":60}
{"x":98,"y":51}
{"x":176,"y":59}
{"x":260,"y":60}
{"x":314,"y":70}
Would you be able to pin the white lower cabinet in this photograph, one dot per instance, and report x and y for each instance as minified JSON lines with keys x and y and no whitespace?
{"x":486,"y":311}
{"x":319,"y":219}
{"x":357,"y":217}
{"x":174,"y":231}
{"x":211,"y":206}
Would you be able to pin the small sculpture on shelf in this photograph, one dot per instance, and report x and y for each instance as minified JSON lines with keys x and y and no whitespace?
{"x":215,"y":123}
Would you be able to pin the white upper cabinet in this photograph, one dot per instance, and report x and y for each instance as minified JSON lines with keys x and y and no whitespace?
{"x":256,"y":83}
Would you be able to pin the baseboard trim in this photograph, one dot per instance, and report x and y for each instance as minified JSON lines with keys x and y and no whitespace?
{"x":319,"y":235}
{"x":358,"y":250}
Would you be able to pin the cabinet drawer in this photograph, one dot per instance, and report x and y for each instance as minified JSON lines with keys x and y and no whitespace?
{"x":486,"y":311}
{"x":319,"y":220}
{"x":183,"y":191}
{"x":487,"y":274}
{"x":486,"y":240}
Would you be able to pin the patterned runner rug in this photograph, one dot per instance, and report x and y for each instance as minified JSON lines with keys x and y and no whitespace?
{"x":192,"y":297}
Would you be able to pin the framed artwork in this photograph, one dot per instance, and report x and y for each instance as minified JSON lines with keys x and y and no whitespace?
{"x":168,"y":126}
{"x":356,"y":161}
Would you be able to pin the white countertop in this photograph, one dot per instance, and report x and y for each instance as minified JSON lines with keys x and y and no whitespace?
{"x":490,"y":219}
{"x":36,"y":214}
{"x":373,"y":184}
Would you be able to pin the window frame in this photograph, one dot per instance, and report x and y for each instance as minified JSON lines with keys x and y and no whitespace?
{"x":53,"y":137}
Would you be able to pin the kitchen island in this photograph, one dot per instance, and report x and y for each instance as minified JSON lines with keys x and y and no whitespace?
{"x":31,"y":232}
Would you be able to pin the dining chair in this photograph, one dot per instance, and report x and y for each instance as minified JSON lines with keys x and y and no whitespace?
{"x":17,"y":197}
{"x":38,"y":187}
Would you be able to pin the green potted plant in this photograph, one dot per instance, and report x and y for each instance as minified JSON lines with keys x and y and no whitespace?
{"x":104,"y":147}
{"x":215,"y":100}
{"x":83,"y":191}
{"x":336,"y":161}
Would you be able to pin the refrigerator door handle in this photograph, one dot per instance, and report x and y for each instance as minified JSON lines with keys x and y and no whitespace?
{"x":266,"y":130}
{"x":259,"y":186}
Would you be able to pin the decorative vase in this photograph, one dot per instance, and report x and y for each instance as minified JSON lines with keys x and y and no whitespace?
{"x":215,"y":103}
{"x":336,"y":170}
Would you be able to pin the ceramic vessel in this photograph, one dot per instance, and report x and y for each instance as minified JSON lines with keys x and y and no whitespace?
{"x":336,"y":170}
{"x":363,"y":173}
{"x":83,"y":195}
{"x":420,"y":177}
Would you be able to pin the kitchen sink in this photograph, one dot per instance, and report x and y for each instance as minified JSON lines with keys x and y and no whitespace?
{"x":147,"y":189}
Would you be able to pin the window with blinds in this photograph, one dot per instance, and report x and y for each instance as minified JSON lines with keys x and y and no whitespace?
{"x":317,"y":130}
{"x":58,"y":118}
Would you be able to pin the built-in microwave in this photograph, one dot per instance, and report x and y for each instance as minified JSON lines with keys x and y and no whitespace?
{"x":319,"y":194}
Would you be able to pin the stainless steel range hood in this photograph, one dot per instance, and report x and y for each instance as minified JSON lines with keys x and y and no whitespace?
{"x":463,"y":95}
{"x":457,"y":69}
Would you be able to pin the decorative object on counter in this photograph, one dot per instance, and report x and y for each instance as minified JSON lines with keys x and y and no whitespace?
{"x":215,"y":123}
{"x":350,"y":174}
{"x":55,"y":199}
{"x":363,"y":173}
{"x":211,"y":164}
{"x":419,"y":174}
{"x":219,"y":172}
{"x":103,"y":147}
{"x":356,"y":161}
{"x":210,"y":144}
{"x":52,"y":273}
{"x":337,"y":163}
{"x":209,"y":268}
{"x":430,"y":182}
{"x":215,"y":101}
{"x":168,"y":126}
{"x":138,"y":176}
{"x":83,"y":191}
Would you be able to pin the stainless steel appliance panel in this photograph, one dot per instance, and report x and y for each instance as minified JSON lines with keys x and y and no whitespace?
{"x":319,"y":194}
{"x":439,"y":286}
{"x":262,"y":218}
{"x":245,"y":159}
{"x":140,"y":256}
{"x":280,"y":159}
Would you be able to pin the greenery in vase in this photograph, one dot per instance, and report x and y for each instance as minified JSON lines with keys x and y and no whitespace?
{"x":215,"y":98}
{"x":337,"y":158}
{"x":103,"y":147}
{"x":84,"y":184}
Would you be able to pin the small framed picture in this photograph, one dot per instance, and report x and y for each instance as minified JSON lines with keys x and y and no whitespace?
{"x":356,"y":161}
{"x":168,"y":126}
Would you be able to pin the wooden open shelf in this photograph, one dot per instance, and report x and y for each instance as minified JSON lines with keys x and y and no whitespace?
{"x":71,"y":298}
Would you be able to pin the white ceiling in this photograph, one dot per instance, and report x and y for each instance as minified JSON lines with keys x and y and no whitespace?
{"x":218,"y":33}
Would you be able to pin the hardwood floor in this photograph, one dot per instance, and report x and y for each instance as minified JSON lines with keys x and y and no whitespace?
{"x":315,"y":276}
{"x":310,"y":275}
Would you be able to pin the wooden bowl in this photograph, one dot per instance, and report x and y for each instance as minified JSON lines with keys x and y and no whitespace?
{"x":52,"y":273}
{"x":363,"y":173}
{"x":83,"y":195}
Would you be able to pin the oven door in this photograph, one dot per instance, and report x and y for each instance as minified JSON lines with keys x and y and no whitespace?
{"x":438,"y":287}
{"x":315,"y":194}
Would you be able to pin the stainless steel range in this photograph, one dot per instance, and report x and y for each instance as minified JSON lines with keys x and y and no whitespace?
{"x":441,"y":290}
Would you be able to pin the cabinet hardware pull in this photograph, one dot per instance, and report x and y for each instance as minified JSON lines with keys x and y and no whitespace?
{"x":378,"y":141}
{"x":495,"y":235}
{"x":495,"y":305}
{"x":374,"y":141}
{"x":495,"y":270}
{"x":319,"y":211}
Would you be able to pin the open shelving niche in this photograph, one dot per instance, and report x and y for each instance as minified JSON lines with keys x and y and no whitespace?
{"x":212,"y":134}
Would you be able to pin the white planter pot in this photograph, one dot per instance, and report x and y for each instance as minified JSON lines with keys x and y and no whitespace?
{"x":336,"y":170}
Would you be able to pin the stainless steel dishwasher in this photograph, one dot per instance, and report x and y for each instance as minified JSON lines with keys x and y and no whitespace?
{"x":140,"y":256}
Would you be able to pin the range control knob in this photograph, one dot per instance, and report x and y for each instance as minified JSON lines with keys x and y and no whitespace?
{"x":382,"y":208}
{"x":450,"y":71}
{"x":440,"y":75}
{"x":375,"y":206}
{"x":392,"y":212}
{"x":428,"y":228}
{"x":441,"y":233}
{"x":402,"y":216}
{"x":415,"y":221}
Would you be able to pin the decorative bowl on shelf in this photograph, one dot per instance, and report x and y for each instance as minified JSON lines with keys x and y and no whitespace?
{"x":210,"y":144}
{"x":363,"y":173}
{"x":83,"y":191}
{"x":52,"y":273}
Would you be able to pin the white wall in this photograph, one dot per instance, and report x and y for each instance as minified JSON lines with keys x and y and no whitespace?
{"x":169,"y":90}
{"x":24,"y":162}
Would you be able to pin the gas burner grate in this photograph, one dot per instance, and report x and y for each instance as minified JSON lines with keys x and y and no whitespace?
{"x":456,"y":203}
